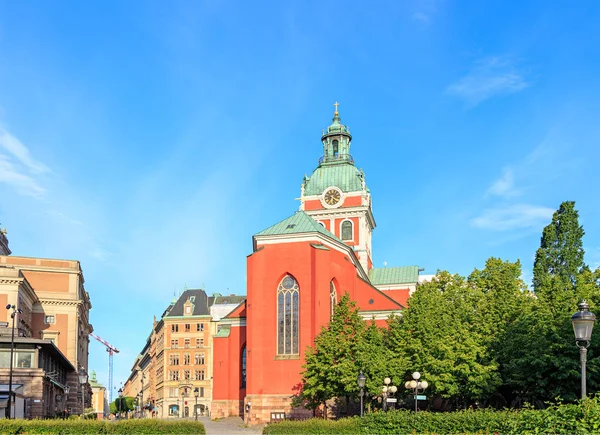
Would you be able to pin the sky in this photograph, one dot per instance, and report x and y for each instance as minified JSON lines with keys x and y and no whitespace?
{"x":150,"y":140}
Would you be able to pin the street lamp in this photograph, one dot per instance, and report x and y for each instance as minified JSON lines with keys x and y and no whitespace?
{"x":416,"y":385}
{"x":142,"y":397}
{"x":83,"y":378}
{"x":583,"y":323}
{"x":12,"y":350}
{"x":361,"y":384}
{"x":387,"y":390}
{"x":120,"y":401}
{"x":196,"y":394}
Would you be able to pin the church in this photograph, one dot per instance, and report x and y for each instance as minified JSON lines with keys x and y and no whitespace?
{"x":297,"y":271}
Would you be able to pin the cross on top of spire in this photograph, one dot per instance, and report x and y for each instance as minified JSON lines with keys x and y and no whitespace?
{"x":336,"y":113}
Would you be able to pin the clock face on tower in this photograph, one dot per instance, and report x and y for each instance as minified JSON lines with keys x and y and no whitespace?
{"x":332,"y":197}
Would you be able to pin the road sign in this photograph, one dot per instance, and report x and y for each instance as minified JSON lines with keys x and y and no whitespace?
{"x":392,"y":400}
{"x":419,"y":397}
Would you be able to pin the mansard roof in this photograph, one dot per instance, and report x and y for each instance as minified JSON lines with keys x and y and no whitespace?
{"x":298,"y":223}
{"x":394,"y":275}
{"x":200,"y":303}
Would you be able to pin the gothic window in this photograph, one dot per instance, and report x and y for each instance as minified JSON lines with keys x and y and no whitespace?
{"x":335,"y":148}
{"x":287,"y":316}
{"x":243,"y":380}
{"x":347,"y":230}
{"x":332,"y":298}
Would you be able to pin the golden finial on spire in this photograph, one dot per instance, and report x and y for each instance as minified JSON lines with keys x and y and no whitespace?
{"x":336,"y":109}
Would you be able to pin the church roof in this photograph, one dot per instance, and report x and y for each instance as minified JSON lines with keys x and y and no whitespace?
{"x":298,"y":223}
{"x":345,"y":176}
{"x":394,"y":275}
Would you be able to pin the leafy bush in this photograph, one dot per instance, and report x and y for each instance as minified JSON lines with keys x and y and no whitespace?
{"x":89,"y":427}
{"x":581,"y":418}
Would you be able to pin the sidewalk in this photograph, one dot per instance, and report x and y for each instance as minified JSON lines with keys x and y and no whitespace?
{"x":229,"y":425}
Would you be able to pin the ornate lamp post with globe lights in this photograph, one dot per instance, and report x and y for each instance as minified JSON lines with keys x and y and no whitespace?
{"x":583,"y":323}
{"x":387,"y":390}
{"x":416,"y":385}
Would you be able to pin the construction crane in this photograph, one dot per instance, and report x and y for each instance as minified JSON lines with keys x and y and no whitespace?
{"x":111,"y":351}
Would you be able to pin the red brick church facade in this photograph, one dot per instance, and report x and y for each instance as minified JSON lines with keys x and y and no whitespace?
{"x":298,"y":270}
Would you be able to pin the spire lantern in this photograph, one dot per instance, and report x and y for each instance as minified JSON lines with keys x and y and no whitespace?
{"x":336,"y":141}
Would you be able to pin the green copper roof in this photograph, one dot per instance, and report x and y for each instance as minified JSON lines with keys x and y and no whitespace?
{"x":345,"y":176}
{"x":394,"y":275}
{"x":298,"y":223}
{"x":224,"y":331}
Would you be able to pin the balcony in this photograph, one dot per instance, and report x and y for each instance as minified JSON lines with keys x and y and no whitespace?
{"x":336,"y":158}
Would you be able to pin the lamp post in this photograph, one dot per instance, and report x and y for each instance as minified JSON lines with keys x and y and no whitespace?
{"x":387,"y":390}
{"x":416,"y":385}
{"x":120,"y":402}
{"x":14,"y":313}
{"x":583,"y":323}
{"x":83,"y":378}
{"x":361,"y":384}
{"x":142,"y":398}
{"x":196,"y":394}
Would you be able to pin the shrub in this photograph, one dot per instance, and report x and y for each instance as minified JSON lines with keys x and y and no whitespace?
{"x":89,"y":427}
{"x":581,"y":418}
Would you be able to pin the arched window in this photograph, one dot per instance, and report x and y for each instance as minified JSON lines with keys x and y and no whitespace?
{"x":335,"y":148}
{"x":332,"y":298}
{"x":347,"y":230}
{"x":243,"y":380}
{"x":287,"y":316}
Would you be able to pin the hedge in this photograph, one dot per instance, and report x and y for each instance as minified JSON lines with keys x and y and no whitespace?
{"x":137,"y":426}
{"x":580,"y":418}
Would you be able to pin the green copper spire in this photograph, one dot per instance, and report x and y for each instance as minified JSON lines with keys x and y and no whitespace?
{"x":336,"y":142}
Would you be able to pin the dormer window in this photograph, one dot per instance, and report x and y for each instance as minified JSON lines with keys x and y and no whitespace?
{"x":188,"y":310}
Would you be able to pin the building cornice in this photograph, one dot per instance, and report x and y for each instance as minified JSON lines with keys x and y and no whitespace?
{"x":235,"y":321}
{"x":344,"y":212}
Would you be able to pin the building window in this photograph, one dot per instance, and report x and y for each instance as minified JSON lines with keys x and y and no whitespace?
{"x":332,"y":298}
{"x":199,"y":375}
{"x":347,"y":230}
{"x":174,"y":360}
{"x":186,"y":375}
{"x":243,"y":380}
{"x":173,"y":392}
{"x":174,"y":328}
{"x":199,"y":342}
{"x":287,"y":316}
{"x":186,"y":343}
{"x":174,"y":344}
{"x":199,"y":358}
{"x":199,"y":327}
{"x":201,"y":391}
{"x":187,"y":327}
{"x":174,"y":410}
{"x":335,"y":148}
{"x":188,"y":309}
{"x":49,"y":320}
{"x":173,"y":375}
{"x":186,"y":359}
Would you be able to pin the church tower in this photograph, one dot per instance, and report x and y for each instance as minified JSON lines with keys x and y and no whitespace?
{"x":336,"y":193}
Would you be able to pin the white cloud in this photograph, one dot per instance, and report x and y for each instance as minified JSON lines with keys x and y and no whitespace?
{"x":512,"y":217}
{"x":489,"y":77}
{"x":504,"y":186}
{"x":24,"y":184}
{"x":14,"y":146}
{"x":18,"y":167}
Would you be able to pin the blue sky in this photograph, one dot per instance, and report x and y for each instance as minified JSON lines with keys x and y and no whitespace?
{"x":150,"y":140}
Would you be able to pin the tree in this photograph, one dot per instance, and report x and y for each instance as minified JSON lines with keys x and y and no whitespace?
{"x":122,"y":404}
{"x":440,"y":336}
{"x":341,"y":350}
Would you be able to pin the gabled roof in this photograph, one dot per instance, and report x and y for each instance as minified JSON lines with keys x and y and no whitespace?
{"x":394,"y":275}
{"x":298,"y":223}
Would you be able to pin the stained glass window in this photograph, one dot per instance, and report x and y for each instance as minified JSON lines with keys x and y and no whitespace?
{"x":332,"y":297}
{"x":243,"y":383}
{"x":287,"y":316}
{"x":347,"y":230}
